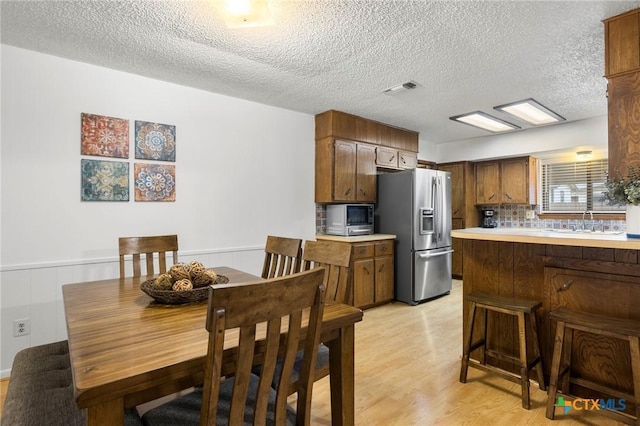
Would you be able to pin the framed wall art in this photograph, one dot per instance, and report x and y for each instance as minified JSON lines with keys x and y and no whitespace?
{"x":104,"y":136}
{"x":104,"y":180}
{"x":154,"y":182}
{"x":155,"y":141}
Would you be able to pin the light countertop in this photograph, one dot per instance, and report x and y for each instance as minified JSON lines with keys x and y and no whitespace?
{"x":555,"y":237}
{"x":358,"y":239}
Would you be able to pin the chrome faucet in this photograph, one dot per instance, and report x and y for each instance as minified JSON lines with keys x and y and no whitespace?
{"x":583,"y":221}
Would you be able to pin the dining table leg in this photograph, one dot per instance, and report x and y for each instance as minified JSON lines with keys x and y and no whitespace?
{"x":341,"y":378}
{"x":108,"y":413}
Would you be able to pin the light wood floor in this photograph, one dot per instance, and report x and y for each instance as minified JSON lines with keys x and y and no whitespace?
{"x":407,"y":371}
{"x":407,"y":368}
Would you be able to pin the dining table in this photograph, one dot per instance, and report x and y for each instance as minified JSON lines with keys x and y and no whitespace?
{"x":127,"y":349}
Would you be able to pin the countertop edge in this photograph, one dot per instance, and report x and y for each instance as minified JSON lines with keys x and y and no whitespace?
{"x":615,"y":242}
{"x":358,"y":239}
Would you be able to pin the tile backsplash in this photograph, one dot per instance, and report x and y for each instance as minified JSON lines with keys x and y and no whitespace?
{"x":321,"y":219}
{"x":511,"y":216}
{"x":515,"y":216}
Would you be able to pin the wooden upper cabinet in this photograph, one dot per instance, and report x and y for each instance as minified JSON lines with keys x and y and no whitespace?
{"x":386,"y":157}
{"x":488,"y":182}
{"x":518,"y":179}
{"x":339,"y":124}
{"x":622,"y":43}
{"x":365,"y":173}
{"x":407,"y":160}
{"x":510,"y":181}
{"x":348,"y":151}
{"x":345,"y":171}
{"x":624,"y":123}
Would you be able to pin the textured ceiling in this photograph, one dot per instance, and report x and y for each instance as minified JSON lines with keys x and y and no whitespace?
{"x":341,"y":54}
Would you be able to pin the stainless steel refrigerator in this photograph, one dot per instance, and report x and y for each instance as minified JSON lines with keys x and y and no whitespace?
{"x":415,"y":205}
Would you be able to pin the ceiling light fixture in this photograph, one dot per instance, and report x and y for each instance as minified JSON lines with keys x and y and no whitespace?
{"x":485,"y":121}
{"x":583,"y":155}
{"x":247,"y":13}
{"x":530,"y":111}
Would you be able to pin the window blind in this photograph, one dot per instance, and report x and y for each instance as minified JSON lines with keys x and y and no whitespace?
{"x":575,"y":187}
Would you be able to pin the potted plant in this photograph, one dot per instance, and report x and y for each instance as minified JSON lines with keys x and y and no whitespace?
{"x":625,"y":191}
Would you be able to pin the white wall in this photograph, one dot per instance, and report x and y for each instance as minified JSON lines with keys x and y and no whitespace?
{"x":243,"y":170}
{"x":573,"y":136}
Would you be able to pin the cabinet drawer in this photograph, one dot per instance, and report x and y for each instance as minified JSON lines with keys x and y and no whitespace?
{"x":361,"y":251}
{"x":384,"y":248}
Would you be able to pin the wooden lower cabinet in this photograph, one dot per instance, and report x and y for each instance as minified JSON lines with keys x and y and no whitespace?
{"x":373,"y":277}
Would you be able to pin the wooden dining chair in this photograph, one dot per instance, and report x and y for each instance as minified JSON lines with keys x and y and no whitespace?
{"x":283,"y":256}
{"x":335,"y":258}
{"x":149,"y":247}
{"x":256,"y":312}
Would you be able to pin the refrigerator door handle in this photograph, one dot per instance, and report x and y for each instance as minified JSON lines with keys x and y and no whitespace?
{"x":438,"y":209}
{"x":440,"y":253}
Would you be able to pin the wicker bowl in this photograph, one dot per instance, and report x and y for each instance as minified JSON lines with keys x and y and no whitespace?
{"x":171,"y":297}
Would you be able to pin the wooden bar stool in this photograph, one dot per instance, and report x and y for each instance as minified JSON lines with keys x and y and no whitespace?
{"x":567,"y":321}
{"x":519,"y":308}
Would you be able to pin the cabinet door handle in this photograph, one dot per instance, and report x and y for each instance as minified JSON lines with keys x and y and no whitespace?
{"x":508,"y":196}
{"x":393,"y":157}
{"x":564,"y":286}
{"x":367,"y":271}
{"x":381,"y":268}
{"x":492,"y":197}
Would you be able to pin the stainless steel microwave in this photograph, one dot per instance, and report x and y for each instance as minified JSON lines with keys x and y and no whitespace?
{"x":350,"y":219}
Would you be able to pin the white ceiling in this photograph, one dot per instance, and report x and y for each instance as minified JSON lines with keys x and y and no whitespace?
{"x":341,"y":54}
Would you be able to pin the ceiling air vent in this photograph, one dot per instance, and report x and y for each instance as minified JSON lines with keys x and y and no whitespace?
{"x":409,"y":85}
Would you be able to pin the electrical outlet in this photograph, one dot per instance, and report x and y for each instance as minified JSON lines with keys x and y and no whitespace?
{"x":531,"y":214}
{"x":21,"y":327}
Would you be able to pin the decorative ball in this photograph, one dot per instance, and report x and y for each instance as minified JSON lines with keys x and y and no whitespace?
{"x":196,"y":269}
{"x":182,"y":285}
{"x":206,"y":278}
{"x":179,"y":271}
{"x":163,"y":282}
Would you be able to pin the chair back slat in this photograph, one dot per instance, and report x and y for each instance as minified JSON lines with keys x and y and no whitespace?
{"x":282,"y":256}
{"x":336,"y":258}
{"x":259,"y":310}
{"x":149,"y":248}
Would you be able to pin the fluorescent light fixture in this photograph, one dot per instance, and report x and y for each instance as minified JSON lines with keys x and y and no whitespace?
{"x":530,"y":111}
{"x":247,"y":13}
{"x":485,"y":122}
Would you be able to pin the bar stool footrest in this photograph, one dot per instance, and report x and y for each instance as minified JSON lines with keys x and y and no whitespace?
{"x":515,"y":378}
{"x":602,"y":389}
{"x":515,"y":360}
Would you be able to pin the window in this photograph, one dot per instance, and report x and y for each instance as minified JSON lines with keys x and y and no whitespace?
{"x":575,"y":187}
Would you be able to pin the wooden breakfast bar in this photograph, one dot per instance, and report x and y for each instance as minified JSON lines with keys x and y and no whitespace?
{"x":596,"y":273}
